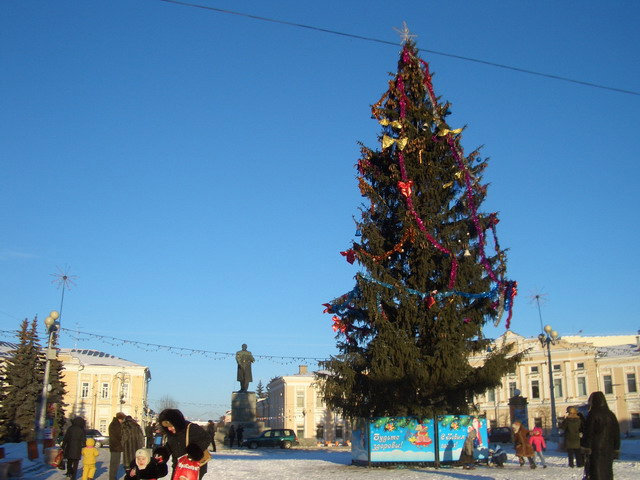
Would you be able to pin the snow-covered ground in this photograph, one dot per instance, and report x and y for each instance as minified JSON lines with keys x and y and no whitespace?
{"x":335,"y":463}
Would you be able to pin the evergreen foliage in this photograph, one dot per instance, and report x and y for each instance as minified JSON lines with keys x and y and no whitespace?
{"x":426,"y":288}
{"x":56,"y":405}
{"x":260,"y":391}
{"x":21,"y":392}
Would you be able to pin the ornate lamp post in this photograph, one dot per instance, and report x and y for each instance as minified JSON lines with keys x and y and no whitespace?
{"x":52,"y":327}
{"x":548,"y":338}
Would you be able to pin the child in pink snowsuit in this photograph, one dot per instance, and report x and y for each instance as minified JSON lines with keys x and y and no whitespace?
{"x":537,"y":442}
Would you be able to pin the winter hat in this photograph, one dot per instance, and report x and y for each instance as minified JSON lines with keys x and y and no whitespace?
{"x":173,"y":417}
{"x":90,"y":442}
{"x":142,"y":458}
{"x":194,"y":452}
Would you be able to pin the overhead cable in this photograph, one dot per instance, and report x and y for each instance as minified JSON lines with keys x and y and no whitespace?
{"x":395,"y":44}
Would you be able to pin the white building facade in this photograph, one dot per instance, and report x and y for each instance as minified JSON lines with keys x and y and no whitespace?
{"x":295,"y":402}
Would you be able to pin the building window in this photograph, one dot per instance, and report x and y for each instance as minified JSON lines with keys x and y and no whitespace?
{"x":557,"y":367}
{"x":319,"y":399}
{"x":84,"y":390}
{"x":608,"y":384}
{"x":557,"y":387}
{"x":491,"y":395}
{"x":300,"y":431}
{"x":320,"y":432}
{"x":580,"y":366}
{"x":535,"y":389}
{"x":104,"y":392}
{"x":103,"y":426}
{"x":339,"y":431}
{"x":537,"y":422}
{"x":512,"y":389}
{"x":534,"y":369}
{"x":635,"y":420}
{"x":631,"y":383}
{"x":300,"y":398}
{"x":582,"y":386}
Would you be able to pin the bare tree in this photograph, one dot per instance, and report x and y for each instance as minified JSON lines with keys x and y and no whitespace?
{"x":166,"y":402}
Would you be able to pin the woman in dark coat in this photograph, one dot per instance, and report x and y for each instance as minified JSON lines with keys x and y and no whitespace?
{"x":132,"y":439}
{"x":601,"y":439}
{"x":175,"y":427}
{"x":72,"y":443}
{"x":572,"y":426}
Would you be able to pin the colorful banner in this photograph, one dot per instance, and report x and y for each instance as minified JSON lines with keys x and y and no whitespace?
{"x":452,"y":432}
{"x":360,"y":441}
{"x":402,"y":439}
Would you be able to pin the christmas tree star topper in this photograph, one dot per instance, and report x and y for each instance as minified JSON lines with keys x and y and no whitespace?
{"x":405,"y":33}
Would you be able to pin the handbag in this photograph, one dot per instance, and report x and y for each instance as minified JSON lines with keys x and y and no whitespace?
{"x":206,"y":456}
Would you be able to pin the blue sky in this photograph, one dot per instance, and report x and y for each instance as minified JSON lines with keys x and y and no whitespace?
{"x":195,"y":170}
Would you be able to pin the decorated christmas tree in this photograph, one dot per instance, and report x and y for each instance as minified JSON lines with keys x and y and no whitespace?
{"x":432,"y":271}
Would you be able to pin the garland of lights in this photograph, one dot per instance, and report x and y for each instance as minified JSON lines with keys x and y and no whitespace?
{"x":181,"y":351}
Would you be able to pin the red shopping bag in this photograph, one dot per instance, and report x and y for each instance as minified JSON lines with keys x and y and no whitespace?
{"x":187,"y":469}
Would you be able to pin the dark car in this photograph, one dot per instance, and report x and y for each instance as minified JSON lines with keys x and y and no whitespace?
{"x":101,"y":440}
{"x":279,"y":437}
{"x":500,"y":435}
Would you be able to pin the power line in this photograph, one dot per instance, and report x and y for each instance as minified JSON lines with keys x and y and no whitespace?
{"x":386,"y":42}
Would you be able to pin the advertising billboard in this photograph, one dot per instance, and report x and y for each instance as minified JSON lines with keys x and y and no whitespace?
{"x":452,"y":432}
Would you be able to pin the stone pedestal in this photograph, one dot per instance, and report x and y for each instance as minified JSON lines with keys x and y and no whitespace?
{"x":243,"y":407}
{"x":243,"y":413}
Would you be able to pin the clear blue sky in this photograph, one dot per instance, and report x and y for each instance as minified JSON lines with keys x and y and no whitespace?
{"x":195,"y":169}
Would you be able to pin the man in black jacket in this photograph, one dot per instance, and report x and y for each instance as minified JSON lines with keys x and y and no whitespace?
{"x":115,"y":444}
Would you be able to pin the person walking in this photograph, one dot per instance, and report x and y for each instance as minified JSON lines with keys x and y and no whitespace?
{"x":239,"y":435}
{"x":601,"y":439}
{"x":148,"y":434}
{"x":89,"y":455}
{"x":182,"y":434}
{"x":132,"y":440}
{"x":232,"y":435}
{"x":573,"y":426}
{"x":466,"y":456}
{"x":72,"y":444}
{"x":523,"y":447}
{"x":538,"y":444}
{"x":211,"y":430}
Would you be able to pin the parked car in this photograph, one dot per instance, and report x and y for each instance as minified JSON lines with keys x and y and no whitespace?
{"x":500,"y":435}
{"x":101,"y":440}
{"x":278,"y":437}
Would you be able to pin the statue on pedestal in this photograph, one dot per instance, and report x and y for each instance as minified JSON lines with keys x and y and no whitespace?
{"x":244,"y":359}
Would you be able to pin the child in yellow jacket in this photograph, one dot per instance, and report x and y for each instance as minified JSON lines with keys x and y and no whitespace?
{"x":89,"y":456}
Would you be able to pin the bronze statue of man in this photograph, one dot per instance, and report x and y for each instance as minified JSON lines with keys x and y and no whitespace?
{"x":244,"y":359}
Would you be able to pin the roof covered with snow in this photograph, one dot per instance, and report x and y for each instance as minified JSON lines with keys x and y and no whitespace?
{"x":96,"y":357}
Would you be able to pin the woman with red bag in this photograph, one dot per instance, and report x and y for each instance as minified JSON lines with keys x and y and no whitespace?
{"x":182,"y":434}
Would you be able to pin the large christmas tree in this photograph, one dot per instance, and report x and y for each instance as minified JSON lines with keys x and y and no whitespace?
{"x":427,"y":284}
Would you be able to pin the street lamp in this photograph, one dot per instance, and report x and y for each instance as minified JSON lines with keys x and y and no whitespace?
{"x":52,"y":327}
{"x":548,"y":338}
